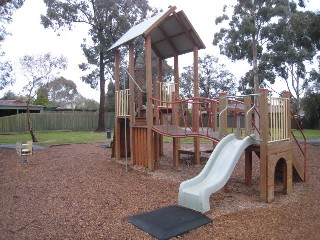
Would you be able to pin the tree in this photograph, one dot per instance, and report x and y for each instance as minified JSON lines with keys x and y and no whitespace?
{"x":315,"y":73}
{"x":248,"y":31}
{"x":213,"y":78}
{"x":9,"y":95}
{"x":37,"y":69}
{"x":186,"y":82}
{"x":7,"y":8}
{"x":90,"y":105}
{"x":311,"y":105}
{"x":62,"y":92}
{"x":107,"y":21}
{"x":110,"y":98}
{"x":42,"y":97}
{"x":291,"y":48}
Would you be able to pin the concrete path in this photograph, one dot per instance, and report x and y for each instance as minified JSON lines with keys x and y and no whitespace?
{"x":35,"y":147}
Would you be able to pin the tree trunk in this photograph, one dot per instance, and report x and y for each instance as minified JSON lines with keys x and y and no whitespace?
{"x":29,"y":123}
{"x":101,"y":126}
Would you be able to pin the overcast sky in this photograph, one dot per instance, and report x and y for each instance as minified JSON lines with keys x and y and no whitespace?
{"x":29,"y":37}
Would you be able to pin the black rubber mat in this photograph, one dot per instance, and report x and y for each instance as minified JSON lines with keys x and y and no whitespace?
{"x":168,"y":222}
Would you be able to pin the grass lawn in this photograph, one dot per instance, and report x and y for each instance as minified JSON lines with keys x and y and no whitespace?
{"x":48,"y":139}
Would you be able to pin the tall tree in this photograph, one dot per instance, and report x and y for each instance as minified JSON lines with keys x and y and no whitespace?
{"x":37,"y":69}
{"x":107,"y":21}
{"x":248,"y":31}
{"x":7,"y":8}
{"x":214,"y":78}
{"x":291,"y":49}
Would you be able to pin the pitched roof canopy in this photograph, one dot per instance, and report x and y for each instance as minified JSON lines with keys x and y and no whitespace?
{"x":171,"y":33}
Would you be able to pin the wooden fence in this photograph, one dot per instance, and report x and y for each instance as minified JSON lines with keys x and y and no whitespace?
{"x":48,"y":121}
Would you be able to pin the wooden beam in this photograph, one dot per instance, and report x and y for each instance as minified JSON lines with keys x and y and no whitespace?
{"x":176,"y":141}
{"x":131,"y":103}
{"x":195,"y":109}
{"x":149,"y":102}
{"x":185,"y":29}
{"x":151,"y":28}
{"x":168,"y":39}
{"x":117,"y":142}
{"x":264,"y":136}
{"x":248,"y":166}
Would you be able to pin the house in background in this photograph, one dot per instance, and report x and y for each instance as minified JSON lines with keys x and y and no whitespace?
{"x":13,"y":107}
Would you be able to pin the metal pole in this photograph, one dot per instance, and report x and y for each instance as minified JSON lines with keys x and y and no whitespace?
{"x":125,"y":128}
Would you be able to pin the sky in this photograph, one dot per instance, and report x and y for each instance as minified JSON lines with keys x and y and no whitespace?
{"x":29,"y":37}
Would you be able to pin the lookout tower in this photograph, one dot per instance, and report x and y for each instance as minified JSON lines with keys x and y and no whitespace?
{"x":168,"y":34}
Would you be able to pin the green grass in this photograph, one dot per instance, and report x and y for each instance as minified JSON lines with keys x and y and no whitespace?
{"x":309,"y":134}
{"x":48,"y":139}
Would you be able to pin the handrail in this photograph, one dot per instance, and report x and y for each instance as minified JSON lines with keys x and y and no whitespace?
{"x":132,"y":78}
{"x":246,"y":122}
{"x":220,"y":123}
{"x":304,"y":150}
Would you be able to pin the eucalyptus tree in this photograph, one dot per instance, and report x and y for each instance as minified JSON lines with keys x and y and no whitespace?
{"x":248,"y":32}
{"x":107,"y":20}
{"x":7,"y":8}
{"x":291,"y":50}
{"x":37,"y":69}
{"x":62,"y":92}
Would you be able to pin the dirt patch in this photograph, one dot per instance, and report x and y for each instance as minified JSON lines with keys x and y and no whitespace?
{"x":79,"y":192}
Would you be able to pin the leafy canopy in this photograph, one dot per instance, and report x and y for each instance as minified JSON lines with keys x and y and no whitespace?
{"x":213,"y":79}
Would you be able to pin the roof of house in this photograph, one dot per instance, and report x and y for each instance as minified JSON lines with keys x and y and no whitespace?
{"x":171,"y":33}
{"x":17,"y":104}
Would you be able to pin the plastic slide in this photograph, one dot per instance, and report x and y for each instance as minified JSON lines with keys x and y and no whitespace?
{"x":195,"y":193}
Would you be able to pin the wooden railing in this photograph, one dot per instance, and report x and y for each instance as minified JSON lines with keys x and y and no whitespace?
{"x":166,"y":96}
{"x":278,"y":119}
{"x":122,"y":103}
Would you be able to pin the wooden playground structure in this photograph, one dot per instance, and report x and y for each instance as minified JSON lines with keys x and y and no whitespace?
{"x":141,"y":124}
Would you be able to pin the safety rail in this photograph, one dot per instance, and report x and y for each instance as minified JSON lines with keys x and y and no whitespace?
{"x":122,"y":103}
{"x":278,"y":116}
{"x":236,"y":106}
{"x":184,"y":108}
{"x":304,"y":149}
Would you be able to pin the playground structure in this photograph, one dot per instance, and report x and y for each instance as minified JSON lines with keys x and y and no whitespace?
{"x":140,"y":126}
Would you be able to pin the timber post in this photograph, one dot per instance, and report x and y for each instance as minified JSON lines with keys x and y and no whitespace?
{"x":264,"y":137}
{"x":195,"y":108}
{"x":149,"y":114}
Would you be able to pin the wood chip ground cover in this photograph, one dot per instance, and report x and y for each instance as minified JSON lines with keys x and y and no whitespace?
{"x":79,"y":192}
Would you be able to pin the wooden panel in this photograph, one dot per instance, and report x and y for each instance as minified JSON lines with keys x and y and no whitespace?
{"x":279,"y":147}
{"x":140,"y":146}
